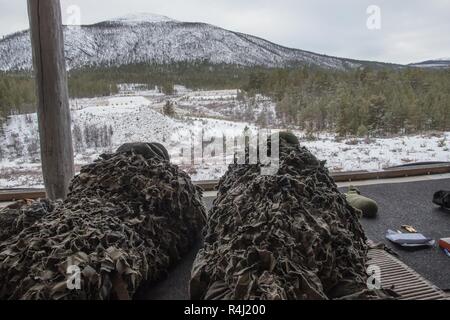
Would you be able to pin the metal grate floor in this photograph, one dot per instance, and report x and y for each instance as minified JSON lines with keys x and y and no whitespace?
{"x":400,"y":278}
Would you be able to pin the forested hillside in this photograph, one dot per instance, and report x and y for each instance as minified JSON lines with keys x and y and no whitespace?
{"x":17,"y":91}
{"x":17,"y":94}
{"x":357,"y":102}
{"x":151,"y":38}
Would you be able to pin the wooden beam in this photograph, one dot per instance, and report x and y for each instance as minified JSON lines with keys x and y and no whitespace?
{"x":53,"y":99}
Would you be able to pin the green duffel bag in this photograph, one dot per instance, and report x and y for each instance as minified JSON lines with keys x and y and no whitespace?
{"x":368,"y":207}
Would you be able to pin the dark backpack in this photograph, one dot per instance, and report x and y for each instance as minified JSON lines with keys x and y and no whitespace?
{"x":442,"y":199}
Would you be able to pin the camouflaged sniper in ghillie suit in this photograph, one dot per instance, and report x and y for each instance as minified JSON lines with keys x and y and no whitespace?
{"x":127,"y":218}
{"x":287,"y":236}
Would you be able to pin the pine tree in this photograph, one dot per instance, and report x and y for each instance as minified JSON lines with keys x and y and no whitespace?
{"x":169,"y":109}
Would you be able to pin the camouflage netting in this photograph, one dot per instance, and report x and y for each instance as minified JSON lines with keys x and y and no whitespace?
{"x":21,"y":215}
{"x":126,"y":220}
{"x":287,"y":236}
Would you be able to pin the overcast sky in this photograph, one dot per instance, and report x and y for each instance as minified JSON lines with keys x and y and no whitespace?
{"x":411,"y":30}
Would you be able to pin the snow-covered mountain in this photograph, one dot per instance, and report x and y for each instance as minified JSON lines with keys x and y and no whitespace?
{"x":152,"y":38}
{"x":441,"y":63}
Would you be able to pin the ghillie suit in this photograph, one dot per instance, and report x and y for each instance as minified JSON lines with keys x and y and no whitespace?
{"x":287,"y":236}
{"x":126,"y":220}
{"x":21,"y":215}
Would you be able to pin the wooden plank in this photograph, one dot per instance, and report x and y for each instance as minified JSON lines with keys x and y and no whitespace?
{"x":392,"y":173}
{"x":53,"y":99}
{"x":14,"y":195}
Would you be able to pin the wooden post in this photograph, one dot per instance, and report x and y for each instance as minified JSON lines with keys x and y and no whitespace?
{"x":53,"y":99}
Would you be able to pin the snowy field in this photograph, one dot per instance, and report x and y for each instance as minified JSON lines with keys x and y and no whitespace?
{"x":102,"y":124}
{"x":379,"y":154}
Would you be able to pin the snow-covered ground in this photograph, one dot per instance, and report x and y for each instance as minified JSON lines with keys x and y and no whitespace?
{"x":103,"y":124}
{"x":379,"y":154}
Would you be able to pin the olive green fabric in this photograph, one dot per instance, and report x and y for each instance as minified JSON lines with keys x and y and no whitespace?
{"x":368,"y":207}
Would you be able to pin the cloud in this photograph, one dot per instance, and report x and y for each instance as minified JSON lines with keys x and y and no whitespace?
{"x":411,"y":30}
